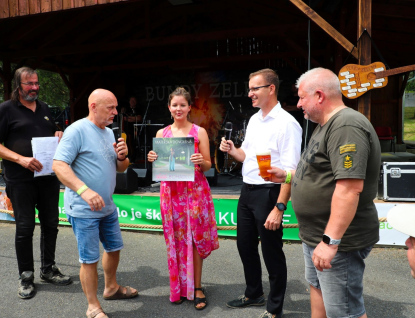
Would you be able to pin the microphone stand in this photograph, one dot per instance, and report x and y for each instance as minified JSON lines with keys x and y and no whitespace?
{"x":145,"y":133}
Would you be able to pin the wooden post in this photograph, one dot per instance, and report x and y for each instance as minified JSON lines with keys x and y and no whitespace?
{"x":365,"y":46}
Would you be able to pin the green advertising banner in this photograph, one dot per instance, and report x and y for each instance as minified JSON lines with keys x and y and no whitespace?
{"x":143,"y":213}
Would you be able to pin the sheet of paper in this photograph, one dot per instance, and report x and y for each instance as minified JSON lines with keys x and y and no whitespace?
{"x":43,"y":150}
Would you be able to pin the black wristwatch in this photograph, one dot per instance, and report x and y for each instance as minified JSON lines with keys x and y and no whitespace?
{"x":281,"y":206}
{"x":329,"y":241}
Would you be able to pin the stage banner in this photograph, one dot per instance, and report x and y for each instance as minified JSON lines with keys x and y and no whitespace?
{"x":135,"y":210}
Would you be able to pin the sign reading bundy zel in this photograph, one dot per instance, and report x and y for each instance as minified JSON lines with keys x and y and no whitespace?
{"x":173,"y":159}
{"x":216,"y":90}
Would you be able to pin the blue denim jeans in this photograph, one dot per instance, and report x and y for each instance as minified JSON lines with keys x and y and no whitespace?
{"x":89,"y":232}
{"x":341,"y":285}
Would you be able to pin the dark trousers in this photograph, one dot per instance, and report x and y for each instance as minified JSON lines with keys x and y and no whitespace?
{"x":43,"y":194}
{"x":253,"y":208}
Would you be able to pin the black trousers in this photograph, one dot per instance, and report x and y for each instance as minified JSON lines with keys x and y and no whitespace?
{"x":253,"y":208}
{"x":43,"y":194}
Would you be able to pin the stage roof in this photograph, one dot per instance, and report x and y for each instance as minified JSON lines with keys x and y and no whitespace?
{"x":76,"y":36}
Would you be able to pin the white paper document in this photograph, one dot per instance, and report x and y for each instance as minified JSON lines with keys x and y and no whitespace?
{"x":43,"y":150}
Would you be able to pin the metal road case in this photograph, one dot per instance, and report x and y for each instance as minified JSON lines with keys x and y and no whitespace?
{"x":397,"y":181}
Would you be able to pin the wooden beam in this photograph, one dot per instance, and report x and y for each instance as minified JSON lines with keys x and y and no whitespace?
{"x":337,"y":36}
{"x":64,"y":78}
{"x":13,"y":8}
{"x":34,"y":6}
{"x":66,"y":4}
{"x":23,"y":7}
{"x":4,"y":9}
{"x":46,"y":6}
{"x":57,"y":5}
{"x":365,"y":49}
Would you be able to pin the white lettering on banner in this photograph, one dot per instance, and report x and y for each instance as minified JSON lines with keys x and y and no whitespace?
{"x":153,"y":215}
{"x":222,"y":218}
{"x":135,"y":215}
{"x":123,"y":213}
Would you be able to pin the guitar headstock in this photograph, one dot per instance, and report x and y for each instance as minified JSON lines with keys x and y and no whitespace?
{"x":355,"y":80}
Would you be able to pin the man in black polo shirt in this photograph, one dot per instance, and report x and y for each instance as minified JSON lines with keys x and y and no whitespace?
{"x":22,"y":118}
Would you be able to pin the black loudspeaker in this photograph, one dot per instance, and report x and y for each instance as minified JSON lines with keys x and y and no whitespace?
{"x":212,"y":176}
{"x":144,"y":177}
{"x":126,"y":182}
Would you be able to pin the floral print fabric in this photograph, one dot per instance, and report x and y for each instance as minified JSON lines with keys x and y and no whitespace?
{"x":188,"y":218}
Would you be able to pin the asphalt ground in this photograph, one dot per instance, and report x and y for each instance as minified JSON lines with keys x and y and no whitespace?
{"x":389,"y":288}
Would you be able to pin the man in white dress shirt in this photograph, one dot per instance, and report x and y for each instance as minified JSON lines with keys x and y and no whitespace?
{"x":262,"y":204}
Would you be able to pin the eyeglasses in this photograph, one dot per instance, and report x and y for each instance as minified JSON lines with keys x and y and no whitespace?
{"x":31,"y":84}
{"x":254,"y":89}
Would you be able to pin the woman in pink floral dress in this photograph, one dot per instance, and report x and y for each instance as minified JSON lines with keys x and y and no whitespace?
{"x":187,"y":209}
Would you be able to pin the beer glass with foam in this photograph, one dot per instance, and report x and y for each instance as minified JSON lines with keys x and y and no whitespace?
{"x":264,"y":163}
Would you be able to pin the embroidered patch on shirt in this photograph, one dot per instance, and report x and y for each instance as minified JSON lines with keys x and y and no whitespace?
{"x":347,"y":148}
{"x":347,"y":161}
{"x":46,"y":117}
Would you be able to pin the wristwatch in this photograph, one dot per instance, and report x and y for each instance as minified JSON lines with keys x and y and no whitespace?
{"x":329,"y":241}
{"x":281,"y":206}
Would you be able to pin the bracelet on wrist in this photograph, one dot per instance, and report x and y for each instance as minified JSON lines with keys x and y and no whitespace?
{"x":82,"y":189}
{"x":288,"y":177}
{"x":122,"y":159}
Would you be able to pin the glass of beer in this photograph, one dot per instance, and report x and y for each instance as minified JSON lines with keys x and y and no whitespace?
{"x":264,"y":163}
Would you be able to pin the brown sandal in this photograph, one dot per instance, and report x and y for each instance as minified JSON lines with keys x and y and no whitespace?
{"x":120,"y":295}
{"x":96,"y":313}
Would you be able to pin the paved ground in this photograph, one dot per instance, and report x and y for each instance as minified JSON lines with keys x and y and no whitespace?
{"x":389,"y":288}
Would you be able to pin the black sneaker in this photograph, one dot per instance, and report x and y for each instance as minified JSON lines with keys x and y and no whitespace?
{"x":54,"y":276}
{"x":26,"y":286}
{"x":243,"y":301}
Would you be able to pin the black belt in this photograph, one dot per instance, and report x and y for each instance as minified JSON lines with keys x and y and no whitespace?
{"x":258,"y":186}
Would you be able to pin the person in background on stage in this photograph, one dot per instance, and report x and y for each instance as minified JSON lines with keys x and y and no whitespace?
{"x":172,"y":160}
{"x":187,"y":209}
{"x":332,"y":195}
{"x":86,"y":162}
{"x":262,"y":204}
{"x":21,"y":119}
{"x":402,"y":218}
{"x":132,"y":117}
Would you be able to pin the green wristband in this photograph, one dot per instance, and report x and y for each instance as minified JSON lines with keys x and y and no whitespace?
{"x":82,"y":189}
{"x":288,"y":177}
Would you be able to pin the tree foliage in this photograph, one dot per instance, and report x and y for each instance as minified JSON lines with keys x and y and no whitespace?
{"x":410,"y":86}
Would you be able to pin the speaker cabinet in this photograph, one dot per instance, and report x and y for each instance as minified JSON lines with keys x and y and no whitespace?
{"x":126,"y":182}
{"x":144,"y":177}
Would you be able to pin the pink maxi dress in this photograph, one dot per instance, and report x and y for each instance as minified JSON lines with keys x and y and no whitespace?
{"x":188,"y":218}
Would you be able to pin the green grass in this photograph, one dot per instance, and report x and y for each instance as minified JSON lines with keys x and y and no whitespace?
{"x":409,"y":123}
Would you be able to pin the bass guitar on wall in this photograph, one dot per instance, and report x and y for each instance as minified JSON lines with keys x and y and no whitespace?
{"x":355,"y":80}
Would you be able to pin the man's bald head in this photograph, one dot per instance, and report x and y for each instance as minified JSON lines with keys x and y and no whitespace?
{"x":102,"y":106}
{"x":99,"y":96}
